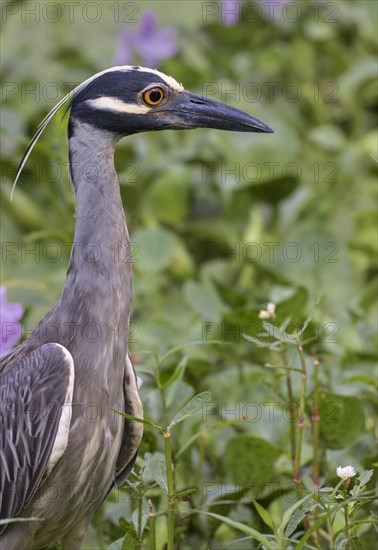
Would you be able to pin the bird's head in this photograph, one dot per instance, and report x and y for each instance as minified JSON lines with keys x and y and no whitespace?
{"x":127,"y":100}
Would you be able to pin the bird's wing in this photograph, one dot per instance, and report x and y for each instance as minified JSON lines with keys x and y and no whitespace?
{"x":35,"y":415}
{"x":133,"y":431}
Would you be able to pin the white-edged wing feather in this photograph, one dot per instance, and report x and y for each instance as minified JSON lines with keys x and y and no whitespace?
{"x":35,"y":415}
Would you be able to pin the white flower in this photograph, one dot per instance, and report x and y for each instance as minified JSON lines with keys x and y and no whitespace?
{"x":139,"y":382}
{"x":269,"y":312}
{"x":345,"y":472}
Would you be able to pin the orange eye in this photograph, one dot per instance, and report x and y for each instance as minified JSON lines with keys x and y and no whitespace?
{"x":153,"y":96}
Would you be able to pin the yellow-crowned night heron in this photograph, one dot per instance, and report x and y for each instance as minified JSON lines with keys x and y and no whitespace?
{"x":62,"y":448}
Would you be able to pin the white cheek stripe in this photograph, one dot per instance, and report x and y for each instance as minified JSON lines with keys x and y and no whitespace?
{"x":117,"y":105}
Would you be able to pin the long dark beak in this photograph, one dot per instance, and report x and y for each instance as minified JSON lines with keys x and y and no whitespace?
{"x":195,"y":111}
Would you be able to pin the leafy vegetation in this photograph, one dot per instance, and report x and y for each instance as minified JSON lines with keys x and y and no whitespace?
{"x":247,"y":414}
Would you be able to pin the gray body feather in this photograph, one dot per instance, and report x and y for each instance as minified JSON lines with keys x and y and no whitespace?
{"x":91,"y":321}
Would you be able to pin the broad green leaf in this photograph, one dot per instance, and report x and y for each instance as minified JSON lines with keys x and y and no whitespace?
{"x":168,"y":198}
{"x":363,"y":379}
{"x":205,"y":300}
{"x":357,"y":76}
{"x":342,"y":420}
{"x":241,"y":321}
{"x":293,"y":308}
{"x":327,"y":137}
{"x":156,"y":470}
{"x":194,"y":405}
{"x":365,"y":477}
{"x":249,"y":460}
{"x":270,"y":545}
{"x":153,"y":249}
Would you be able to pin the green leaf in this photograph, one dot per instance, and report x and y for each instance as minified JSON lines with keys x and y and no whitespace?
{"x":310,"y":530}
{"x":264,"y":515}
{"x":294,"y":521}
{"x":116,"y":545}
{"x":183,"y":494}
{"x":175,"y":380}
{"x":241,"y":321}
{"x":245,"y":529}
{"x":127,"y":526}
{"x":177,"y":372}
{"x":356,"y":77}
{"x":365,"y":477}
{"x":156,"y":470}
{"x":293,"y":308}
{"x":298,"y":515}
{"x":354,"y":543}
{"x":342,"y":420}
{"x":153,"y":248}
{"x":249,"y":460}
{"x":327,"y":137}
{"x":274,"y":331}
{"x":129,"y":542}
{"x":205,"y":300}
{"x":194,"y":405}
{"x":137,"y":419}
{"x":290,"y":511}
{"x":168,"y":197}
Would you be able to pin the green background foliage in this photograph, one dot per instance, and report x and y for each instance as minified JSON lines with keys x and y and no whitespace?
{"x":221,"y":224}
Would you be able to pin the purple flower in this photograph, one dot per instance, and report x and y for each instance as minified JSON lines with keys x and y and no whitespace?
{"x":230,"y":12}
{"x":10,"y":328}
{"x":151,"y":44}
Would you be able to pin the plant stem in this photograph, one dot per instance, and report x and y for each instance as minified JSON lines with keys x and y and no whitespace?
{"x":315,"y":444}
{"x":346,"y":513}
{"x":171,"y":489}
{"x":300,"y":422}
{"x":315,"y":427}
{"x":152,"y":541}
{"x":138,"y":544}
{"x":346,"y":520}
{"x":291,"y":406}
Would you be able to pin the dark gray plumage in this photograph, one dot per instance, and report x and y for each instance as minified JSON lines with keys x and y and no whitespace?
{"x":62,"y":447}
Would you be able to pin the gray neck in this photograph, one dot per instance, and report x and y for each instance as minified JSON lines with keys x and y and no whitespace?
{"x":100,"y":264}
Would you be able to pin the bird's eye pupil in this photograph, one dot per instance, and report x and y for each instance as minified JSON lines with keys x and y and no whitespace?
{"x":153,"y":96}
